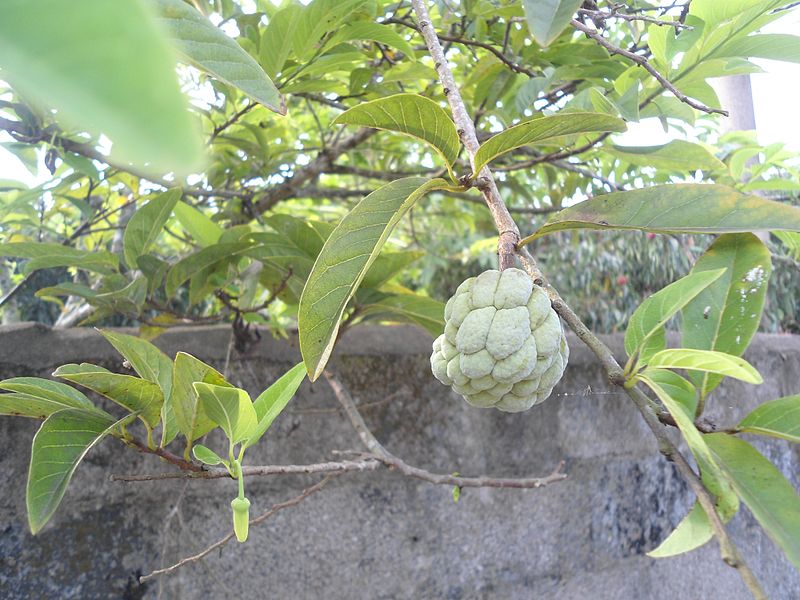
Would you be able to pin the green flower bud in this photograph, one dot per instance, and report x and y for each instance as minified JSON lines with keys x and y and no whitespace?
{"x":241,"y":517}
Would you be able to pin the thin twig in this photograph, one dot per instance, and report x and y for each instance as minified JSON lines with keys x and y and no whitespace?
{"x":368,"y":464}
{"x":253,"y":523}
{"x":644,"y":63}
{"x":601,"y":15}
{"x":378,"y":452}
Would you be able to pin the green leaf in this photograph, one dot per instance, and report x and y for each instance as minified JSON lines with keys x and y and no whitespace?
{"x":43,"y":255}
{"x":791,"y":240}
{"x":412,"y":114}
{"x":544,"y":129}
{"x":230,"y":408}
{"x":316,"y":20}
{"x":153,"y":365}
{"x":692,"y":532}
{"x":136,"y":395}
{"x":154,"y":269}
{"x":108,"y":69}
{"x":773,"y":46}
{"x":409,"y":308}
{"x":694,"y":439}
{"x":190,"y":417}
{"x":193,"y":264}
{"x":387,"y":265}
{"x":58,"y":447}
{"x":707,"y":361}
{"x":277,"y":39}
{"x":127,"y":299}
{"x":675,"y":208}
{"x":367,"y":30}
{"x":772,"y":500}
{"x":678,"y":388}
{"x":725,"y":316}
{"x":548,"y":18}
{"x":211,"y":50}
{"x":656,"y":310}
{"x":145,"y":225}
{"x":40,"y":398}
{"x":67,"y":288}
{"x":271,"y":402}
{"x":202,"y":229}
{"x":676,"y":155}
{"x":300,"y":233}
{"x":345,"y":259}
{"x":777,"y":418}
{"x":207,"y":456}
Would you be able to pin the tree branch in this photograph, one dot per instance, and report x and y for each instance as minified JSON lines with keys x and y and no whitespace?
{"x":378,"y":452}
{"x":253,"y":523}
{"x":507,"y":228}
{"x":643,"y":62}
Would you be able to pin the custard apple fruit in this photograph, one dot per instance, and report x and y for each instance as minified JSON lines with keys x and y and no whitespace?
{"x":503,"y":345}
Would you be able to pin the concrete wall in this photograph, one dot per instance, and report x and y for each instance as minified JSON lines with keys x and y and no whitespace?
{"x":380,"y":535}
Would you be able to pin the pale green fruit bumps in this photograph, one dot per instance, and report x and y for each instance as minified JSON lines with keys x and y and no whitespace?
{"x":503,"y":345}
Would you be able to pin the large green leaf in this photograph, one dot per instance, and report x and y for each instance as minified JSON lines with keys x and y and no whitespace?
{"x":345,"y":259}
{"x":230,"y":408}
{"x":43,"y":255}
{"x":58,"y":447}
{"x":772,"y":500}
{"x":40,"y":398}
{"x":210,"y":49}
{"x":412,"y":114}
{"x":318,"y":19}
{"x":675,"y":208}
{"x":409,"y":308}
{"x":108,"y":69}
{"x":652,"y":314}
{"x":136,"y":395}
{"x":675,"y":155}
{"x":202,"y":229}
{"x":726,"y":314}
{"x":277,"y":39}
{"x":190,"y":417}
{"x":705,"y":361}
{"x":774,"y":46}
{"x":548,"y":18}
{"x":271,"y":402}
{"x":145,"y":225}
{"x":207,"y":257}
{"x":153,"y":365}
{"x":544,"y":129}
{"x":367,"y":30}
{"x":777,"y":418}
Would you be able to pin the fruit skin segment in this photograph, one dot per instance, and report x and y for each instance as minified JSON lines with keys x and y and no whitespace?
{"x":503,"y":345}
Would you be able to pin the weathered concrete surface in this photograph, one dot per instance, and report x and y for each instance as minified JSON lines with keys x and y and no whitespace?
{"x":379,"y":535}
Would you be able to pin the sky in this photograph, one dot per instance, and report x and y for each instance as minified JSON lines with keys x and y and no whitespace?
{"x":775,"y":94}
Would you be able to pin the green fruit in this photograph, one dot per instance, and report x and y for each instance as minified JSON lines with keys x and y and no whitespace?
{"x":503,"y":345}
{"x":241,"y":517}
